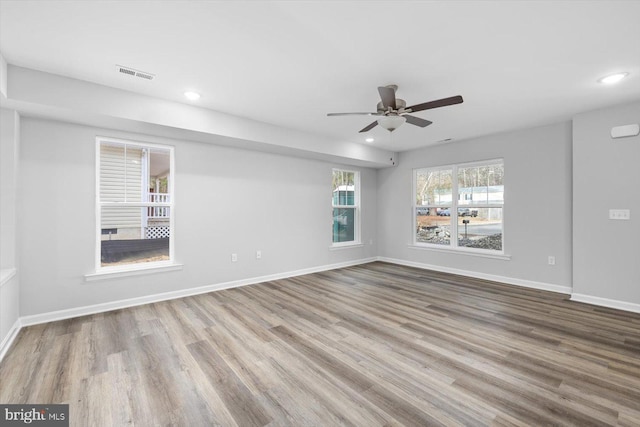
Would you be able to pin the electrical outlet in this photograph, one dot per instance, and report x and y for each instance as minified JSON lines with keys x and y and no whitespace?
{"x":258,"y":254}
{"x":234,"y":257}
{"x":552,"y":260}
{"x":623,"y":214}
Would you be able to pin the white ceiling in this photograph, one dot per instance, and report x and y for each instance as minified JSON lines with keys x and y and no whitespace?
{"x":517,"y":64}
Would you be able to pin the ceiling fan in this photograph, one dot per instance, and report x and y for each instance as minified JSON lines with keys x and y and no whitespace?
{"x":394,"y":112}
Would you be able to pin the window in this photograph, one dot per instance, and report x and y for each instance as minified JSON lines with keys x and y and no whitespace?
{"x":346,"y":207}
{"x":134,"y":205}
{"x":460,"y":206}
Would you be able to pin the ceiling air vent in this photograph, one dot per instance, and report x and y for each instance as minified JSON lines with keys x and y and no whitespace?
{"x":134,"y":72}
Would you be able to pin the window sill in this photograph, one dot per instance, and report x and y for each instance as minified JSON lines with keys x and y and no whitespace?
{"x":126,"y":272}
{"x":348,"y":246}
{"x":460,"y":251}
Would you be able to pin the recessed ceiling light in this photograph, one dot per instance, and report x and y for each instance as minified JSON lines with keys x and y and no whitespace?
{"x":613,"y":78}
{"x":369,"y":139}
{"x":192,"y":96}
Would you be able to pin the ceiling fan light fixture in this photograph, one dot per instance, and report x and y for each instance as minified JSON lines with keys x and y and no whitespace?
{"x":369,"y":139}
{"x":391,"y":123}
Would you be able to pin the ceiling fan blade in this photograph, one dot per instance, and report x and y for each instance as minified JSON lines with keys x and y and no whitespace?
{"x":417,"y":121}
{"x":436,"y":104}
{"x":352,"y":114}
{"x":388,"y":96}
{"x":371,"y":126}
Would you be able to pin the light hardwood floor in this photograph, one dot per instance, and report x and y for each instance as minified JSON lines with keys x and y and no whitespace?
{"x":370,"y":345}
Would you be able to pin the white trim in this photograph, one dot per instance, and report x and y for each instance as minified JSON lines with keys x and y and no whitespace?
{"x":3,"y":77}
{"x":5,"y":275}
{"x":503,"y":279}
{"x":132,"y":302}
{"x":356,"y":208}
{"x":171,"y":179}
{"x":132,"y":270}
{"x":98,"y":207}
{"x":459,"y":250}
{"x":8,"y":340}
{"x":145,"y":188}
{"x":606,"y":302}
{"x":138,"y":143}
{"x":454,"y":206}
{"x":137,"y":204}
{"x":100,"y":204}
{"x":336,"y":247}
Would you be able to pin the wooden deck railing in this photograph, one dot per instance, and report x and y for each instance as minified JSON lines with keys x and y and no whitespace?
{"x":158,"y":211}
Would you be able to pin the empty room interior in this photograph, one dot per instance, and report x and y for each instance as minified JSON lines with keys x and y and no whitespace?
{"x":280,"y":213}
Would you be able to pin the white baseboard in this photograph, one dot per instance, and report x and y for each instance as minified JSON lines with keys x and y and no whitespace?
{"x":503,"y":279}
{"x":8,"y":340}
{"x":605,"y":302}
{"x":132,"y":302}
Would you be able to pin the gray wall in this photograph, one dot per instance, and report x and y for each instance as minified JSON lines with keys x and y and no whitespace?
{"x":606,"y":175}
{"x":9,"y":138}
{"x":233,"y":200}
{"x":9,"y":152}
{"x":537,"y":213}
{"x":227,"y":201}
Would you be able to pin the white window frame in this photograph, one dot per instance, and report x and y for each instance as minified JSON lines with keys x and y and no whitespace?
{"x":356,"y":206}
{"x":134,"y":267}
{"x":453,"y":246}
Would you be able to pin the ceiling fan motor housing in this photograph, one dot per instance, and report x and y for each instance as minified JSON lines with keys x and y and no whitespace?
{"x":400,"y":106}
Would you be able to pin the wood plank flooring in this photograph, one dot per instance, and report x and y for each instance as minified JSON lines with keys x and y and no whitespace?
{"x":371,"y":345}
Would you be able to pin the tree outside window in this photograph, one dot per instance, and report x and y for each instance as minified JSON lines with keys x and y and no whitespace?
{"x":460,"y":206}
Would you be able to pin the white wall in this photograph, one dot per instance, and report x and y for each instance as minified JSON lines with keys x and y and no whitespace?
{"x":40,"y":94}
{"x":227,"y":200}
{"x":537,"y":213}
{"x":9,"y":283}
{"x":606,"y":175}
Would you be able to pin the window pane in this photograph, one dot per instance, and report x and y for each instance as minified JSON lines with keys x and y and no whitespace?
{"x":121,"y":173}
{"x":129,"y":173}
{"x":481,"y":185}
{"x":157,"y":176}
{"x":480,"y":228}
{"x":134,"y":173}
{"x":433,"y":187}
{"x":112,"y":166}
{"x":130,"y":235}
{"x":433,"y":225}
{"x":343,"y":188}
{"x":343,"y":224}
